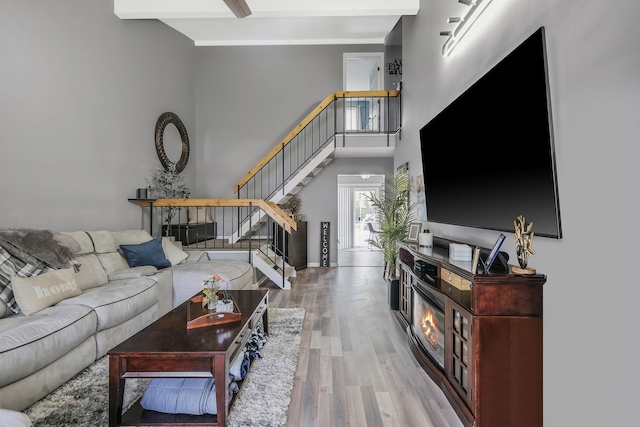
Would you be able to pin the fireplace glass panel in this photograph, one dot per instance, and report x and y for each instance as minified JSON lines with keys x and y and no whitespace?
{"x":464,"y":354}
{"x":465,"y":327}
{"x":428,"y":327}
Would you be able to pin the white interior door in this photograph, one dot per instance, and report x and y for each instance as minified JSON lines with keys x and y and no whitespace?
{"x":362,"y":72}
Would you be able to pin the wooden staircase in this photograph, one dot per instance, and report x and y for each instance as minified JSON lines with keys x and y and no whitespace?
{"x":270,"y":264}
{"x":296,"y":183}
{"x":319,"y":150}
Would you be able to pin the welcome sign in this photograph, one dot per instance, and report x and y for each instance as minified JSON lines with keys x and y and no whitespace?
{"x":325,"y":249}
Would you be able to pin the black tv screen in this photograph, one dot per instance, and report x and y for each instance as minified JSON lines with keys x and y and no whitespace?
{"x":489,"y":156}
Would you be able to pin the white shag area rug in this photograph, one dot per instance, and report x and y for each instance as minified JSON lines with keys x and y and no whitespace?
{"x":262,"y":401}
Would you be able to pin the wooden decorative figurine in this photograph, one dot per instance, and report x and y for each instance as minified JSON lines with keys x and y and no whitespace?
{"x":524,"y":237}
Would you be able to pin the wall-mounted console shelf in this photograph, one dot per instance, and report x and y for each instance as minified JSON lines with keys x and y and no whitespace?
{"x":490,"y":363}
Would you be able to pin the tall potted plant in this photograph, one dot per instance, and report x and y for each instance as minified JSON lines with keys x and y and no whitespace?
{"x":395,"y":212}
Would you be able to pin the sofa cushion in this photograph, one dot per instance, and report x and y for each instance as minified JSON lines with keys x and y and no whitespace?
{"x":133,"y":272}
{"x":131,"y":237}
{"x":4,"y":309}
{"x":148,"y":253}
{"x":82,"y":239}
{"x":39,"y":292}
{"x":174,"y":254}
{"x":91,"y":273}
{"x":188,"y":278}
{"x":117,"y":301}
{"x":112,"y":262}
{"x":103,"y":241}
{"x":29,"y":343}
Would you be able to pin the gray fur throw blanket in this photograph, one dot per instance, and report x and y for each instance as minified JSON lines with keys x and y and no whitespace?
{"x":54,"y":249}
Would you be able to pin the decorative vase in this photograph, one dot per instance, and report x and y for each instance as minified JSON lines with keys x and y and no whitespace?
{"x":210,"y":296}
{"x":210,"y":303}
{"x":213,"y":303}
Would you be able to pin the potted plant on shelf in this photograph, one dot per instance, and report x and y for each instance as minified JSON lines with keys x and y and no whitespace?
{"x":395,"y":212}
{"x":167,"y":183}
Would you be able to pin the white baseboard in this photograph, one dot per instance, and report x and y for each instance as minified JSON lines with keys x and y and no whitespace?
{"x":317,"y":264}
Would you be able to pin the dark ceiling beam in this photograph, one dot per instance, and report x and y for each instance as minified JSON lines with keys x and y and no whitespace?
{"x":238,"y":7}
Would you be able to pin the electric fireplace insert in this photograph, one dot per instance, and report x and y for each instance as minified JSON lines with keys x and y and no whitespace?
{"x":428,"y":323}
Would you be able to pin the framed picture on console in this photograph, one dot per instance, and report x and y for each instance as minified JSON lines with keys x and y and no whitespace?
{"x":414,"y":231}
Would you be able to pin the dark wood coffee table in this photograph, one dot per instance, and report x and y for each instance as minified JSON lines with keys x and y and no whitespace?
{"x":166,"y":349}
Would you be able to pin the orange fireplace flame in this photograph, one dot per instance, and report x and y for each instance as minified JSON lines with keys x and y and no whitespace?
{"x":430,"y":328}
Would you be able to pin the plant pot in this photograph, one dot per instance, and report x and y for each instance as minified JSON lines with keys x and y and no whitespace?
{"x":393,"y":293}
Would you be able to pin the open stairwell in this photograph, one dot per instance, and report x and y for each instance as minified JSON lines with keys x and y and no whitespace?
{"x":295,"y":183}
{"x":272,"y":266}
{"x":350,"y":123}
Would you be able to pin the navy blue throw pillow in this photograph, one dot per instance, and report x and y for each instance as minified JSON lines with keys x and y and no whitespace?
{"x":148,"y":253}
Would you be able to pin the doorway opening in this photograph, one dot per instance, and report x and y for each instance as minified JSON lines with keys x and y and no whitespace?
{"x":357,"y":220}
{"x":362,"y":72}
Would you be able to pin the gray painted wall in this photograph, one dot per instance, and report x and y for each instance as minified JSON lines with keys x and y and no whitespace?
{"x":80,"y":94}
{"x":320,"y":199}
{"x":591,"y":291}
{"x":249,"y":98}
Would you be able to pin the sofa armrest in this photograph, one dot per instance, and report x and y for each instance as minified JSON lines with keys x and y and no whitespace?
{"x":132,"y":273}
{"x":197,"y":256}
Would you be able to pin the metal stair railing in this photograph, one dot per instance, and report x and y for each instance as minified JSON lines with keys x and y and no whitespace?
{"x":341,"y":113}
{"x":208,"y":224}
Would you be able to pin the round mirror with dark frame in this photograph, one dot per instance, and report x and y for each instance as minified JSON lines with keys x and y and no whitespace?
{"x":164,"y":120}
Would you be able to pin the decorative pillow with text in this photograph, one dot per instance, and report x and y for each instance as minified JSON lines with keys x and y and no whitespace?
{"x":44,"y":290}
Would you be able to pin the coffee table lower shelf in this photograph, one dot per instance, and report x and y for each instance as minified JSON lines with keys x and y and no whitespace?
{"x":167,"y":349}
{"x":138,"y":416}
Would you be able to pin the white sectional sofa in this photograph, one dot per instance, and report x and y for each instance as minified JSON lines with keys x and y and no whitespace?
{"x":41,"y":350}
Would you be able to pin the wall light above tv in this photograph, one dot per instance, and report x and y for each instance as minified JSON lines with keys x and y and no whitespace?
{"x":489,"y":156}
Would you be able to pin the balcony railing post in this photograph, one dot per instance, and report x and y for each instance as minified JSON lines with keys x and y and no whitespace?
{"x":250,"y":232}
{"x":344,"y":120}
{"x":335,"y":121}
{"x":284,"y":251}
{"x":151,"y":218}
{"x":388,"y":118}
{"x":399,"y":124}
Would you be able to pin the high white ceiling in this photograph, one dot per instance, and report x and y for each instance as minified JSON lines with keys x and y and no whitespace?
{"x":275,"y":22}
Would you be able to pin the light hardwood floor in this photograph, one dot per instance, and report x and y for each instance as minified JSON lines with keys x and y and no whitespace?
{"x":355,"y":367}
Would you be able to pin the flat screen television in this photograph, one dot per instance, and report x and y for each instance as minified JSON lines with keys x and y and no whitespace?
{"x":489,"y":156}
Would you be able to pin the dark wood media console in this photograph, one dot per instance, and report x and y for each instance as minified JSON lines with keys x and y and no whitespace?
{"x":492,"y":372}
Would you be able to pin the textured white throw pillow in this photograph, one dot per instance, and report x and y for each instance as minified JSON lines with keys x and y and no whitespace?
{"x":39,"y":292}
{"x":174,"y":254}
{"x":199,"y":214}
